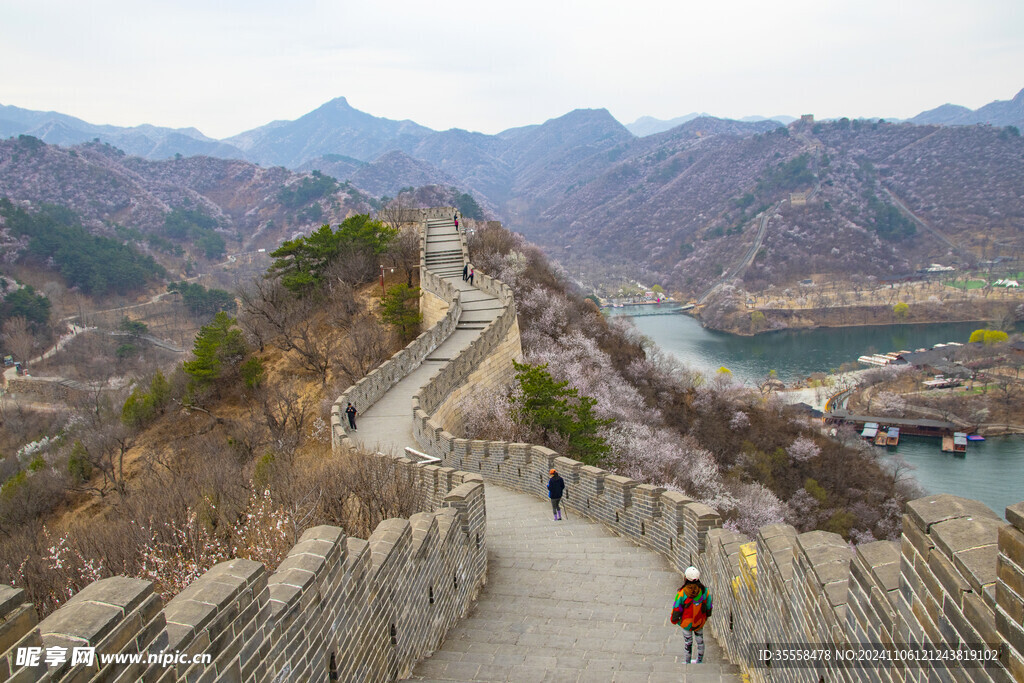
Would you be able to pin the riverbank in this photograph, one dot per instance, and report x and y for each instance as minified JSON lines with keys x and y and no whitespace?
{"x":991,"y":471}
{"x":747,"y":321}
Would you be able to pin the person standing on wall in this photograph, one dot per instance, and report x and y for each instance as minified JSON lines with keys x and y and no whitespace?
{"x":691,"y":611}
{"x":351,"y":412}
{"x":556,"y":489}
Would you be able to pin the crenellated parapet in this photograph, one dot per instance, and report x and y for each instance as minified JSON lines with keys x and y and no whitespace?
{"x":336,"y":608}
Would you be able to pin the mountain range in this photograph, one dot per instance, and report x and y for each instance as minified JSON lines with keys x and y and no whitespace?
{"x":998,"y":113}
{"x":648,"y":125}
{"x":336,"y":128}
{"x":883,"y":197}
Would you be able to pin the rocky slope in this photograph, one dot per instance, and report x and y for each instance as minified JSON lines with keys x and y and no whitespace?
{"x":106,"y":188}
{"x":687,"y":202}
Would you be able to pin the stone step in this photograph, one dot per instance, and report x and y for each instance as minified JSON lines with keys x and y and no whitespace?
{"x":568,"y":601}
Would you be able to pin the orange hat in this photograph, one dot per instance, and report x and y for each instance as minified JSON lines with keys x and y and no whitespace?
{"x":552,"y":472}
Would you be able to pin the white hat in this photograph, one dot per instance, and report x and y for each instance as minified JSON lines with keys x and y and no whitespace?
{"x":692,"y":574}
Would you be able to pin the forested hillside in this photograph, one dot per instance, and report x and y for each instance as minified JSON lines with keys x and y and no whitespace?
{"x":754,"y":459}
{"x":857,"y":199}
{"x":200,"y":205}
{"x":689,"y":206}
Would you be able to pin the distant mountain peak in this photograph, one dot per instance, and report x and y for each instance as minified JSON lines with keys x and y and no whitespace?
{"x":997,"y":113}
{"x":649,"y":125}
{"x":337,"y":104}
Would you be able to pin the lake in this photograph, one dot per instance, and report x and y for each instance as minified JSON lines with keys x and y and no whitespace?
{"x":992,"y":471}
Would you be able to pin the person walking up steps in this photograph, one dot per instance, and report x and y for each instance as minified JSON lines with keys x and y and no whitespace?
{"x":465,"y":272}
{"x":556,"y":489}
{"x":351,"y":412}
{"x":472,"y":272}
{"x":691,"y":611}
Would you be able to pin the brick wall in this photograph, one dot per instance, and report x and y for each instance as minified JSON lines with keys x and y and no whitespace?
{"x":360,"y":609}
{"x":50,"y":390}
{"x":432,"y":307}
{"x":493,"y":371}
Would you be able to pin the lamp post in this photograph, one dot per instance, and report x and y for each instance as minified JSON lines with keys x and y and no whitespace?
{"x":382,"y":292}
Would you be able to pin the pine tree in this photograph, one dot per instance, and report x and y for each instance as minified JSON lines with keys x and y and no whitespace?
{"x":218,"y":350}
{"x":558,"y":409}
{"x":400,"y":307}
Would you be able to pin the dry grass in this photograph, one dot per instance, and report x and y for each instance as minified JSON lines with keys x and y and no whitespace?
{"x":243,"y":476}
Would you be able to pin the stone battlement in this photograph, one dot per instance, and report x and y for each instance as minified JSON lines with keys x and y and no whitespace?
{"x":336,"y":608}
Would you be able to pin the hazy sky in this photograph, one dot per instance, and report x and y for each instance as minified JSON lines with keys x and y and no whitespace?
{"x":226,"y":66}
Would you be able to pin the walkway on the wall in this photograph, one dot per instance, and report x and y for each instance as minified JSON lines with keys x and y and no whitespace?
{"x":568,"y":601}
{"x":564,"y":601}
{"x":386,"y":426}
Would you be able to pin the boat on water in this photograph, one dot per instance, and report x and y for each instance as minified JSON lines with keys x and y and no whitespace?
{"x":892,"y":437}
{"x":975,"y":437}
{"x":960,"y":443}
{"x":880,"y":437}
{"x":956,"y":444}
{"x":870,"y":431}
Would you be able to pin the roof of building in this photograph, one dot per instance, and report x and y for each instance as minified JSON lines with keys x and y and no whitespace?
{"x":895,"y":421}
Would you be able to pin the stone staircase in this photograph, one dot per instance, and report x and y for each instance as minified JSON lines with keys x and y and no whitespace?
{"x":386,"y":426}
{"x":565,"y":601}
{"x":568,"y":601}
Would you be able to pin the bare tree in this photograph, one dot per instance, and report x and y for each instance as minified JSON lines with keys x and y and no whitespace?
{"x":315,"y":342}
{"x":404,"y":252}
{"x":367,"y":346}
{"x":1007,"y":382}
{"x":285,"y":416}
{"x":19,"y":339}
{"x":352,"y":268}
{"x":266,"y":310}
{"x":104,"y":444}
{"x":397,"y":212}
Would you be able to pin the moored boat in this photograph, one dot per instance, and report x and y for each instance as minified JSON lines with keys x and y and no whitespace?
{"x":959,"y":442}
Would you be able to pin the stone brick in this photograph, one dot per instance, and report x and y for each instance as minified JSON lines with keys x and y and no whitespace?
{"x":981,"y":617}
{"x":957,"y":535}
{"x":1011,"y":544}
{"x":16,"y":623}
{"x":938,"y":508}
{"x":87,"y":621}
{"x":1010,"y":632}
{"x":1015,"y":515}
{"x":947,"y":575}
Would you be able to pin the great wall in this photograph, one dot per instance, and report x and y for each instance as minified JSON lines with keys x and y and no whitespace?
{"x":400,"y":603}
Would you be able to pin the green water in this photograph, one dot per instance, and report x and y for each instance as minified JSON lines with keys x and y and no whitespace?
{"x":992,"y":471}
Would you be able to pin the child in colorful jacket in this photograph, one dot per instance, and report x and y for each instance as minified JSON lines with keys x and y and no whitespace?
{"x":691,"y":611}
